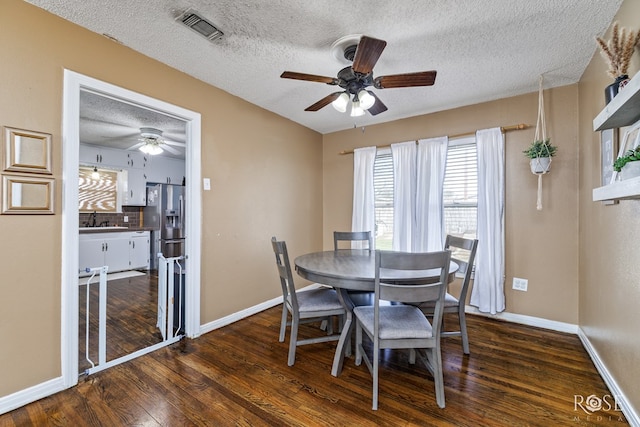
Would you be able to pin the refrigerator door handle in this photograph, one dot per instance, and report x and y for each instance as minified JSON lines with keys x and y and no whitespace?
{"x":182,"y":211}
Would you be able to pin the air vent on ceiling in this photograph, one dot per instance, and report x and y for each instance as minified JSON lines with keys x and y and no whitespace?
{"x":200,"y":25}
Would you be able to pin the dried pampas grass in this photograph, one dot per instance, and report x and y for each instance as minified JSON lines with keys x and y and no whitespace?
{"x":618,"y":51}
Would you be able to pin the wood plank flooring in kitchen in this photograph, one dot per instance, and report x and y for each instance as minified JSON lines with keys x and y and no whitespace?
{"x":132,"y":306}
{"x":238,"y":376}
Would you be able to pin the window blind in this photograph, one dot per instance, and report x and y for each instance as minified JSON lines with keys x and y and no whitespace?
{"x":383,"y":191}
{"x":461,"y":188}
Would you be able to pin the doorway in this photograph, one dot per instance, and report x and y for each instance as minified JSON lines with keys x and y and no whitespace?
{"x":75,"y":84}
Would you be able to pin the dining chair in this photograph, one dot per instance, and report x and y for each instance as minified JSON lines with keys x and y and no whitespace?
{"x":352,"y":236}
{"x":366,"y":239}
{"x":404,"y":326}
{"x":463,"y":253}
{"x":304,"y":306}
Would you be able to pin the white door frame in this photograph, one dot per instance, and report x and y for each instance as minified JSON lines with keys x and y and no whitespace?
{"x":73,"y":84}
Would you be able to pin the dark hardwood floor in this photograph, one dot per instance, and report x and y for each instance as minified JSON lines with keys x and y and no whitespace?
{"x":238,"y":376}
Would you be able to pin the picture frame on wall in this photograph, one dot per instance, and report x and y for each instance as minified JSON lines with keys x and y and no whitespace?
{"x":27,"y":151}
{"x":27,"y":194}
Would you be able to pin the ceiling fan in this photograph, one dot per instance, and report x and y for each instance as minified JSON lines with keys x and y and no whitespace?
{"x":152,"y":142}
{"x":364,"y":52}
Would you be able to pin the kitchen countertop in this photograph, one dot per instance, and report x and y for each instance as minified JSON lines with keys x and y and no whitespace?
{"x":91,"y":230}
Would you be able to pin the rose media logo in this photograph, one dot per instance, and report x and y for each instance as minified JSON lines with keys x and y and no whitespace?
{"x":593,"y":404}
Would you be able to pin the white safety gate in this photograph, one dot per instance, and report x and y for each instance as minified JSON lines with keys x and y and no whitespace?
{"x":168,"y":270}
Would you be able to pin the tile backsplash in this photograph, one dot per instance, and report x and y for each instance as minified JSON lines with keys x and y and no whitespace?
{"x":134,"y":214}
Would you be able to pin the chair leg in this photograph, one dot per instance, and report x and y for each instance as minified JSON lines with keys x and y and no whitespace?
{"x":438,"y":379}
{"x":463,"y":332}
{"x":347,"y":347}
{"x":329,"y":325}
{"x":412,"y":356}
{"x":358,"y":344}
{"x":293,"y":340}
{"x":376,"y":362}
{"x":283,"y":323}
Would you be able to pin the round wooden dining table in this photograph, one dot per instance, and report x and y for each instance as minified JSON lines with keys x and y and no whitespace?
{"x":354,"y":269}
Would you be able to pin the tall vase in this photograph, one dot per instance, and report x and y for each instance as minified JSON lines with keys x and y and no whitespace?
{"x":612,"y":90}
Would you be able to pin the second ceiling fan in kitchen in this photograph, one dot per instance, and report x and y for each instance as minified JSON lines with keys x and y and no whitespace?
{"x":152,"y":142}
{"x":355,"y":80}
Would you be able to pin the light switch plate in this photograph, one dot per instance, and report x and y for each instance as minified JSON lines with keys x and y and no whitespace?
{"x":206,"y":182}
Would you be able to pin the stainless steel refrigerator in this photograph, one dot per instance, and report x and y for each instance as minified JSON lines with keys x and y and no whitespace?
{"x":164,"y":213}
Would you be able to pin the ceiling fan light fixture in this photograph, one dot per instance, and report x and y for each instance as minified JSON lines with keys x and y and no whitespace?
{"x":341,"y":102}
{"x":151,"y":148}
{"x":356,"y":109}
{"x":366,"y":99}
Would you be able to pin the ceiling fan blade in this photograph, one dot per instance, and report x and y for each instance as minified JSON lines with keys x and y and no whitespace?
{"x":170,"y":149}
{"x":367,"y":54}
{"x":174,"y":143}
{"x":309,"y":77}
{"x":136,"y":146}
{"x":323,"y":102}
{"x":378,"y":107}
{"x":422,"y":78}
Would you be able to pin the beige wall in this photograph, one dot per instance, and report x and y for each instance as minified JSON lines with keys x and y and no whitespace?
{"x":609,"y":236}
{"x":540,"y":245}
{"x":578,"y":271}
{"x":250,"y":155}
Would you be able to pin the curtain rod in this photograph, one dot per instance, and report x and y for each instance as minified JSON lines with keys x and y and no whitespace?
{"x":503,"y":129}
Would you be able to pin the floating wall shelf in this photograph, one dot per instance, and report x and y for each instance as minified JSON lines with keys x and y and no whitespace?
{"x":619,"y":190}
{"x":623,"y":110}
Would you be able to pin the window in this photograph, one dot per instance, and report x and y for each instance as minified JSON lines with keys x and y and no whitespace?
{"x":383,"y":194}
{"x":460,"y":192}
{"x":99,"y":193}
{"x":461,"y":188}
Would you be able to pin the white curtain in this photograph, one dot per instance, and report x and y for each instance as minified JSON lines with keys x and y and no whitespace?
{"x":488,"y":287}
{"x":363,"y":213}
{"x":404,"y":195}
{"x":431,"y":165}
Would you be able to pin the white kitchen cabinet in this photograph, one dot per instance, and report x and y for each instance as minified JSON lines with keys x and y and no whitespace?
{"x":165,"y":170}
{"x":91,"y":254}
{"x":136,"y":160}
{"x":97,"y":250}
{"x":120,"y":251}
{"x":102,"y":156}
{"x":139,"y":250}
{"x":136,"y":192}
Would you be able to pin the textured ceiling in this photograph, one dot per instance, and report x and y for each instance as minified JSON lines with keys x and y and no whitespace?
{"x":482,"y":50}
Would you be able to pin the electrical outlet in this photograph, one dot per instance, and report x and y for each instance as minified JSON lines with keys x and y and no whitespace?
{"x":520,"y":284}
{"x":125,"y":219}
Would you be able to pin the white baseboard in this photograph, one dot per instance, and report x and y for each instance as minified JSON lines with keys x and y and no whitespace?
{"x":632,"y":417}
{"x":234,"y":317}
{"x":31,"y":394}
{"x":527,"y":320}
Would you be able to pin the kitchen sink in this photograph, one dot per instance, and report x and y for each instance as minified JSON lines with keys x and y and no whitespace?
{"x":113,"y":227}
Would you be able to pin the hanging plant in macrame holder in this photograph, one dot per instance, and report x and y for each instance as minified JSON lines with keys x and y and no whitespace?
{"x":540,"y":151}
